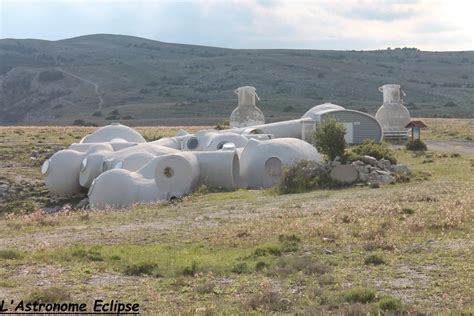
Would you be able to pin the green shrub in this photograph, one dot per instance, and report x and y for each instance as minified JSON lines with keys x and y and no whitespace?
{"x":305,"y":176}
{"x":329,"y":138}
{"x":375,"y":259}
{"x":19,"y":207}
{"x":376,"y":150}
{"x":390,"y":304}
{"x":416,"y":145}
{"x":260,"y":252}
{"x":150,"y":138}
{"x":259,"y":266}
{"x":91,"y":255}
{"x":305,"y":264}
{"x":222,"y":125}
{"x":297,"y":179}
{"x":139,"y":269}
{"x":274,"y":251}
{"x":191,"y":270}
{"x":289,"y":243}
{"x":52,"y":294}
{"x":359,"y":295}
{"x":10,"y":254}
{"x":240,"y":268}
{"x":79,"y":122}
{"x":97,"y":113}
{"x":205,"y":288}
{"x":269,"y":300}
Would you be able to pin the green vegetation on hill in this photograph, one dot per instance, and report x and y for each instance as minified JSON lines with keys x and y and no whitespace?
{"x":151,"y":82}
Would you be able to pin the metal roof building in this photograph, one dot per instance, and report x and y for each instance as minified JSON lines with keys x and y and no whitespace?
{"x":359,"y":126}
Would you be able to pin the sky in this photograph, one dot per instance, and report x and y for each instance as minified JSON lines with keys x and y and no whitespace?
{"x":436,"y":25}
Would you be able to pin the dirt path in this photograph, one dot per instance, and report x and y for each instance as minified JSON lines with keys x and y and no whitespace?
{"x":95,"y":85}
{"x":465,"y":148}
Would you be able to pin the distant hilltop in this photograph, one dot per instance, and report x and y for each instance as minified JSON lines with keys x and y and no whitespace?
{"x":102,"y":78}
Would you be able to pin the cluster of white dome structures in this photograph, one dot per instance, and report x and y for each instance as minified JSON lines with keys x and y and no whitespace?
{"x":120,"y":168}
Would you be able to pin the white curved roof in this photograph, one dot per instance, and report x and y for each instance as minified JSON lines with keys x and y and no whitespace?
{"x":114,"y":132}
{"x":319,"y":109}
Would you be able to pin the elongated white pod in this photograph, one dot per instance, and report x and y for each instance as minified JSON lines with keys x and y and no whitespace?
{"x":131,"y":158}
{"x":118,"y":188}
{"x":176,"y":174}
{"x":61,"y":171}
{"x":220,"y":169}
{"x":291,"y":128}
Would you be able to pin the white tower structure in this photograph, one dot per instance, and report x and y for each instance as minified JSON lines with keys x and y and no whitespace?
{"x":246,"y":113}
{"x":393,"y":115}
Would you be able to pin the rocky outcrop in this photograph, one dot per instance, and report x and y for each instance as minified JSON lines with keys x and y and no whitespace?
{"x":368,"y":170}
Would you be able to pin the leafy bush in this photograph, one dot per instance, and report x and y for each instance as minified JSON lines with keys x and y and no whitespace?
{"x":222,"y":125}
{"x":289,"y":243}
{"x":375,"y":259}
{"x":97,"y":113}
{"x":376,"y":150}
{"x":259,"y":266}
{"x":205,"y":288}
{"x":10,"y":254}
{"x":54,"y":294}
{"x":139,"y":269}
{"x":329,"y":138}
{"x":19,"y":207}
{"x":269,"y":300}
{"x":91,"y":255}
{"x":304,"y":264}
{"x":359,"y":295}
{"x":191,"y":270}
{"x":416,"y":145}
{"x":297,"y":179}
{"x":305,"y":176}
{"x":79,"y":122}
{"x":240,"y":268}
{"x":390,"y":304}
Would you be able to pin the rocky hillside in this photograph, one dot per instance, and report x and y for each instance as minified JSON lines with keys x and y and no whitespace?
{"x":101,"y":78}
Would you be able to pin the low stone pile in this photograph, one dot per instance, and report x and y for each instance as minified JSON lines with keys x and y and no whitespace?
{"x":368,"y":170}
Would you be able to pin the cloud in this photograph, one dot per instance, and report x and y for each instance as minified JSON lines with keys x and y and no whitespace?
{"x":322,"y":24}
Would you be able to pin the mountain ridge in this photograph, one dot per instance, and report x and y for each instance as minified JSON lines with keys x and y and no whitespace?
{"x":142,"y":80}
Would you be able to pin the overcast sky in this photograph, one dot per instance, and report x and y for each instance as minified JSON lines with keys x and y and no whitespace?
{"x":317,"y":24}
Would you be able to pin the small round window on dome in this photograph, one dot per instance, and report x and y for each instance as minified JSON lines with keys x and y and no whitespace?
{"x":192,"y":143}
{"x":168,"y":172}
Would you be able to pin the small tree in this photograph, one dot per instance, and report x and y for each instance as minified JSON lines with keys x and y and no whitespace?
{"x":329,"y":138}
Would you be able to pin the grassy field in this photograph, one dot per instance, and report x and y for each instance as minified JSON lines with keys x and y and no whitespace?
{"x":399,"y":248}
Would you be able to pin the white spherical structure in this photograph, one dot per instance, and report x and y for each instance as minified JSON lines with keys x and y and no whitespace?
{"x":392,"y":115}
